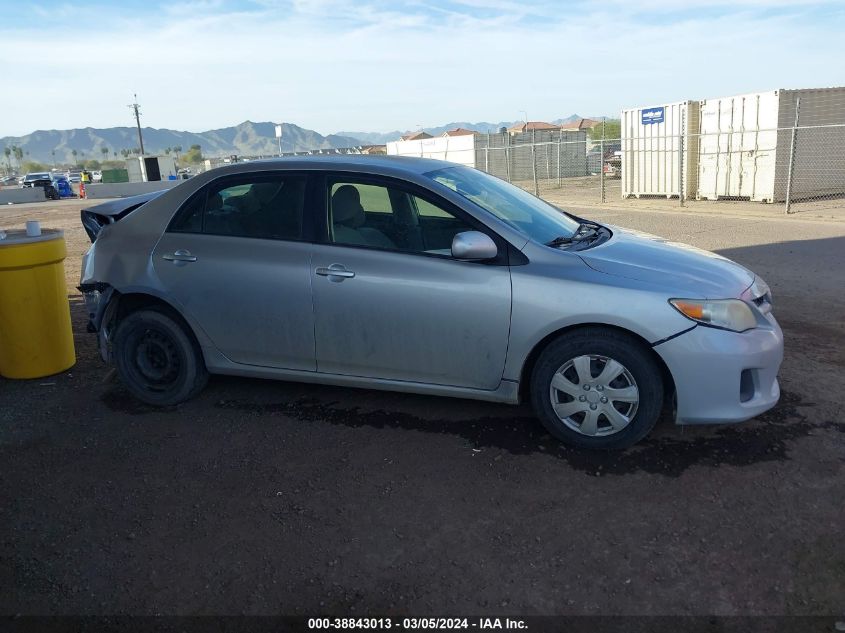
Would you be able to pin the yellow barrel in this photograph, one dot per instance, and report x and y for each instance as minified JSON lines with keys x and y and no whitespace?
{"x":36,"y":338}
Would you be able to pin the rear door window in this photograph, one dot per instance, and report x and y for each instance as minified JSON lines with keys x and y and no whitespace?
{"x":265,"y":206}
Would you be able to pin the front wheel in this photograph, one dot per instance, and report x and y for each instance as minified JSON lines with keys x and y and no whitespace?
{"x":597,"y":388}
{"x":158,"y":359}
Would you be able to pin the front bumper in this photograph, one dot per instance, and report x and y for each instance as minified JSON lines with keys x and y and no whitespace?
{"x":721,"y":376}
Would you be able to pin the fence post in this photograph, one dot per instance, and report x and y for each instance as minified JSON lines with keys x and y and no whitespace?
{"x":601,"y":166}
{"x":792,"y":157}
{"x":681,"y":166}
{"x":559,"y":143}
{"x":487,"y":155}
{"x":534,"y":161}
{"x":507,"y":140}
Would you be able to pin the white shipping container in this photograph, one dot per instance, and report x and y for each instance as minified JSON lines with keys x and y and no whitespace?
{"x":652,"y":161}
{"x":746,"y":140}
{"x":455,"y":149}
{"x":146,"y":168}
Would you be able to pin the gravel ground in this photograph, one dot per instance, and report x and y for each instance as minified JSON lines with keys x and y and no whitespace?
{"x":266,"y":497}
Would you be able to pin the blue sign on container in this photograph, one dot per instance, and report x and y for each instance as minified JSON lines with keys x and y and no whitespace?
{"x":653,"y":115}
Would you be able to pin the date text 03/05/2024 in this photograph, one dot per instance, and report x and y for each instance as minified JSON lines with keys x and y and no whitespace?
{"x":416,"y":623}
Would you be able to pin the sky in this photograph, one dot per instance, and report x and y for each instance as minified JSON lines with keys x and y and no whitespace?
{"x":382,"y":65}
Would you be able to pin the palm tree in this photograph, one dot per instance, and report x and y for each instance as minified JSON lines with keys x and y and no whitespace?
{"x":8,"y":153}
{"x":178,"y":150}
{"x":18,"y":152}
{"x":74,"y":152}
{"x":104,"y":151}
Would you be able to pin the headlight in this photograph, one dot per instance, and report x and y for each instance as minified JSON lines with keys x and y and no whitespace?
{"x":728,"y":314}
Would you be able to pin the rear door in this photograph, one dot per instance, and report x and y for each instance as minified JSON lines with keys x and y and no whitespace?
{"x":236,"y":260}
{"x":389,"y":300}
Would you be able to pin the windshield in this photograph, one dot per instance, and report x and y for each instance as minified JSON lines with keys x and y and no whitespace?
{"x":30,"y":177}
{"x":528,"y":214}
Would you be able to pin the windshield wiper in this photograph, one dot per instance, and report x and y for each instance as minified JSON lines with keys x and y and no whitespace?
{"x":560,"y":241}
{"x":585,"y":230}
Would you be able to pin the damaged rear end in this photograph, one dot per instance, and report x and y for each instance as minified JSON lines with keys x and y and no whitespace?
{"x":98,"y":294}
{"x":97,"y":217}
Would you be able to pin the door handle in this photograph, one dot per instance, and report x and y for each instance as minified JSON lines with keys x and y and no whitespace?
{"x":335,"y":272}
{"x":180,"y":256}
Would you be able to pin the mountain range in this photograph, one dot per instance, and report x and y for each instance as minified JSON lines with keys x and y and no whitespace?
{"x":245,"y":139}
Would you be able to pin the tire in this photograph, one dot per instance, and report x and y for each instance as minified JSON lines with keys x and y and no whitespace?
{"x":598,"y":412}
{"x":157,"y":358}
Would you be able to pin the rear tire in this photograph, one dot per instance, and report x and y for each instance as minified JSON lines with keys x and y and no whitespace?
{"x":157,"y":358}
{"x":597,"y":388}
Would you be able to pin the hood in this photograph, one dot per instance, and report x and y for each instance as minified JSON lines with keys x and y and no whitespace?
{"x":653,"y":259}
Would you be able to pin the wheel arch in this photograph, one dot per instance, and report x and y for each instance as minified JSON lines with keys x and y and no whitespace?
{"x":534,"y":354}
{"x":124,"y":303}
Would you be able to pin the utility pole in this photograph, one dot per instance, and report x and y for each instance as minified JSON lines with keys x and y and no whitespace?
{"x":135,"y":108}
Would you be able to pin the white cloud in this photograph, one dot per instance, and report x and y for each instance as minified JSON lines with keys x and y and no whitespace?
{"x":337,"y":64}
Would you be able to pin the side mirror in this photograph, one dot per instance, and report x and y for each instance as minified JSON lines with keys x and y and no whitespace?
{"x":473,"y":246}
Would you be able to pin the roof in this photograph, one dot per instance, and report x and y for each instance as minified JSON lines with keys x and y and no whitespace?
{"x":527,"y":126}
{"x":459,"y":131}
{"x":580,"y":124}
{"x":413,"y":136}
{"x":374,"y":163}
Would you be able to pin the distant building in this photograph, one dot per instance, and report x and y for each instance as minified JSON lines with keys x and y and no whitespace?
{"x":374,"y":149}
{"x":459,"y":131}
{"x":579,"y":124}
{"x":415,"y":136}
{"x":530,"y":126}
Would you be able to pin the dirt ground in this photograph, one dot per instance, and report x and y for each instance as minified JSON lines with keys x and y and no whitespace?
{"x":267,"y":497}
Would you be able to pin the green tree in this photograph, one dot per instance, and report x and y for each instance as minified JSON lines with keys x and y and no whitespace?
{"x":74,"y":153}
{"x":18,"y":152}
{"x":8,"y":152}
{"x":177,"y":149}
{"x":193,"y":155}
{"x":105,"y":152}
{"x":92,"y":164}
{"x":608,"y":129}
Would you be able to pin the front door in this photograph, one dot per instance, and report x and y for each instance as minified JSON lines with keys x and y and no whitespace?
{"x":234,"y":261}
{"x":391,"y":303}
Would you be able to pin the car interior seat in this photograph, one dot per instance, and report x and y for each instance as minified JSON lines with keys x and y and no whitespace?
{"x":348,"y":220}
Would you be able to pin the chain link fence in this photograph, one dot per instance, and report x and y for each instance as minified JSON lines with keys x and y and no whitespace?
{"x":793,"y":168}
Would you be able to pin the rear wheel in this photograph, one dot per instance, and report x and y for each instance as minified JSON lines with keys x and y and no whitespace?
{"x":597,"y":388}
{"x":157,"y":358}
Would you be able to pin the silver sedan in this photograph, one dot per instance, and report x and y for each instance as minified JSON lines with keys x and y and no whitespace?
{"x":427,"y":277}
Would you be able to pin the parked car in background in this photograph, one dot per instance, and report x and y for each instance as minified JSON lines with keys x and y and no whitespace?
{"x":31,"y":178}
{"x":62,"y":185}
{"x":613,"y":165}
{"x":97,"y":176}
{"x":9,"y":181}
{"x":417,"y":275}
{"x":46,"y":184}
{"x":74,"y":176}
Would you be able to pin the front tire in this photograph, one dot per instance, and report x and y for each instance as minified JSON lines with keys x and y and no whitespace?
{"x":158,"y":359}
{"x":597,"y":388}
